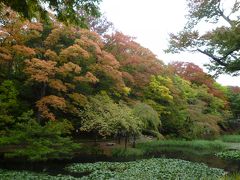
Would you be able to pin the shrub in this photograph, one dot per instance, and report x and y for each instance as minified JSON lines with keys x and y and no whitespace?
{"x":231,"y":154}
{"x":130,"y":152}
{"x":35,"y":142}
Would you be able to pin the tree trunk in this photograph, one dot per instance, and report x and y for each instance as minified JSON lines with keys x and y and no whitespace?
{"x":134,"y":141}
{"x":95,"y":142}
{"x":119,"y":139}
{"x":126,"y":139}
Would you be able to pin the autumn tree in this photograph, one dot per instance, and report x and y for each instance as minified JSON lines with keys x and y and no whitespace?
{"x":137,"y":63}
{"x":100,"y":25}
{"x":73,"y":64}
{"x":220,"y":44}
{"x":196,"y":75}
{"x":15,"y":34}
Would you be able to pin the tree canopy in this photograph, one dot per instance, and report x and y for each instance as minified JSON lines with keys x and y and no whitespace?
{"x":220,"y":43}
{"x":70,"y":12}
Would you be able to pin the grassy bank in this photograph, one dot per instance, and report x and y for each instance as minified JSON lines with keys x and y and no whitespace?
{"x":195,"y":144}
{"x":235,"y":138}
{"x":152,"y":147}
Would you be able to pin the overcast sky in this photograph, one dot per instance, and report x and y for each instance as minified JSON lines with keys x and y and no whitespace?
{"x":150,"y":21}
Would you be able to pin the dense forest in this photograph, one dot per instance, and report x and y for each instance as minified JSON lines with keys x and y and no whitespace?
{"x":61,"y":82}
{"x":81,"y":100}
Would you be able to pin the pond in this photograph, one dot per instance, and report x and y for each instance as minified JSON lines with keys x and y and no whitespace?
{"x":57,"y":167}
{"x":209,"y":158}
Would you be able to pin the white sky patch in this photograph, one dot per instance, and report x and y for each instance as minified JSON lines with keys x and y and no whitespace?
{"x":151,"y":21}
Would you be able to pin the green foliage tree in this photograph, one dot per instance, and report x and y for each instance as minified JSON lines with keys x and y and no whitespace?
{"x":73,"y":12}
{"x":150,"y":119}
{"x":220,"y":44}
{"x":148,"y":115}
{"x":8,"y":105}
{"x":165,"y":95}
{"x":105,"y":118}
{"x":158,"y":90}
{"x":234,"y":103}
{"x":28,"y":139}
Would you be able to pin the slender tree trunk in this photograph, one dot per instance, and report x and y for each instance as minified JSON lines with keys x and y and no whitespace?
{"x":95,"y":142}
{"x":126,"y":140}
{"x":134,"y":141}
{"x":119,"y":138}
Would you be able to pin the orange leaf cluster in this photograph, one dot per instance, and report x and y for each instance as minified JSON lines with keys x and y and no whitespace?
{"x":53,"y":37}
{"x":90,"y":41}
{"x":89,"y":77}
{"x":127,"y":77}
{"x":138,"y":61}
{"x":52,"y":101}
{"x":51,"y":55}
{"x":69,"y":67}
{"x":35,"y":26}
{"x":58,"y":85}
{"x":91,"y":36}
{"x":40,"y":70}
{"x":108,"y":59}
{"x":73,"y":52}
{"x":5,"y":55}
{"x":59,"y":31}
{"x":23,"y":50}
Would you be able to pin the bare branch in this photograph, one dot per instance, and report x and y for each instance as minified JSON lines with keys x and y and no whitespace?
{"x":226,"y":18}
{"x":218,"y":60}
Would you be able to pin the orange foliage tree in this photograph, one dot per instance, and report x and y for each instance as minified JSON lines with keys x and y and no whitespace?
{"x":137,"y":63}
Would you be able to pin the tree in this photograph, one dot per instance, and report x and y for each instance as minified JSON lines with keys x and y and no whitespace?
{"x":35,"y":142}
{"x":150,"y":119}
{"x":148,"y":116}
{"x":191,"y":72}
{"x":234,"y":101}
{"x":197,"y":76}
{"x":74,"y":11}
{"x":15,"y":34}
{"x":105,"y":118}
{"x":137,"y":63}
{"x":158,"y":89}
{"x":8,"y":105}
{"x":100,"y":25}
{"x":220,"y":44}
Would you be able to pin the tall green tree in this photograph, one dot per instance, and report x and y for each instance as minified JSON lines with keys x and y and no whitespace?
{"x":8,"y":105}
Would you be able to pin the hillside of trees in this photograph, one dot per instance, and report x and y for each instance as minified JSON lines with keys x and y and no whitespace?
{"x":60,"y":82}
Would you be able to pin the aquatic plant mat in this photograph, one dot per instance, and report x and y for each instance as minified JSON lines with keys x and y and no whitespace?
{"x":156,"y":168}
